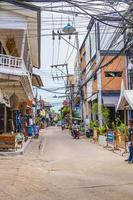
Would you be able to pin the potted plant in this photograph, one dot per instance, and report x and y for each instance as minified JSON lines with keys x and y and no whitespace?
{"x":92,"y":129}
{"x":36,"y":126}
{"x":102,"y":138}
{"x":115,"y":130}
{"x":82,"y":128}
{"x":120,"y":133}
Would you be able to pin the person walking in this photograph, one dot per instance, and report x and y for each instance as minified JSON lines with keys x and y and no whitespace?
{"x":130,"y":142}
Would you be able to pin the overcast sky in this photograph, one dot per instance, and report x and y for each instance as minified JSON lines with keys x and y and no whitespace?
{"x":62,"y":51}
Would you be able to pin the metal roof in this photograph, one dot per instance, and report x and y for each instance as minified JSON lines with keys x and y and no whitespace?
{"x":126,"y":100}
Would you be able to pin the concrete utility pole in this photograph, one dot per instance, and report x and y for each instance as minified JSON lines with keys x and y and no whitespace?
{"x":70,"y":30}
{"x":99,"y":81}
{"x":58,"y":68}
{"x":71,"y":102}
{"x":79,"y":73}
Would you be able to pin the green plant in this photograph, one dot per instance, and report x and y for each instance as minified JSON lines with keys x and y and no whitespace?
{"x":38,"y":121}
{"x":104,"y":111}
{"x":122,"y":128}
{"x":102,"y":130}
{"x":59,"y":117}
{"x":114,"y":126}
{"x":82,"y":128}
{"x":93,"y":124}
{"x":65,"y":111}
{"x":118,"y":125}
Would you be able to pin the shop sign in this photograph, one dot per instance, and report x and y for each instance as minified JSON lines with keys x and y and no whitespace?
{"x":78,"y":111}
{"x":110,"y":136}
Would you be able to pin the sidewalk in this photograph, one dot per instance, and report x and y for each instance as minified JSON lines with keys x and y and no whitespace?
{"x":120,"y":151}
{"x":20,"y":151}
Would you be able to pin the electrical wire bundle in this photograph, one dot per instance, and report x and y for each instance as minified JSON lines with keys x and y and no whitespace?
{"x":84,"y":11}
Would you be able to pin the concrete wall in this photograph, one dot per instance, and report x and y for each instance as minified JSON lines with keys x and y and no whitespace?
{"x":113,"y":83}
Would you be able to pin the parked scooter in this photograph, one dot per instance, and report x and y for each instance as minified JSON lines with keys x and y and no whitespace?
{"x":75,"y":130}
{"x":76,"y":134}
{"x":63,"y":127}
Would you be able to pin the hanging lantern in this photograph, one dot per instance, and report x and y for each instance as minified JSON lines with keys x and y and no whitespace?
{"x":14,"y":100}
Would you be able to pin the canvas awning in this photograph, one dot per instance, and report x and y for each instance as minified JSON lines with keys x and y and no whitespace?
{"x":125,"y":100}
{"x":36,"y":80}
{"x":93,"y":97}
{"x":110,"y":101}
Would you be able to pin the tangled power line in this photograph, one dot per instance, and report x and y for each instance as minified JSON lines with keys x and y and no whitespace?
{"x":87,"y":9}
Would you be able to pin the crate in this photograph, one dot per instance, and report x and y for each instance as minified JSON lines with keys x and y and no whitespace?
{"x":8,"y":141}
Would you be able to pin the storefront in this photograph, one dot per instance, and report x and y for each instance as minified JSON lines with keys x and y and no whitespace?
{"x":5,"y":113}
{"x":14,"y":115}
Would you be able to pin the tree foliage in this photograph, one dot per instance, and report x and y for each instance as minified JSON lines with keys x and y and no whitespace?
{"x":104,"y":112}
{"x":65,"y":111}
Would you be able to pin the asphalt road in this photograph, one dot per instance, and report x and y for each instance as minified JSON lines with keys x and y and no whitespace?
{"x":65,"y":169}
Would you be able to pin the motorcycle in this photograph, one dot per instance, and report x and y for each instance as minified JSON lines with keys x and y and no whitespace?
{"x":63,"y":127}
{"x":75,"y":134}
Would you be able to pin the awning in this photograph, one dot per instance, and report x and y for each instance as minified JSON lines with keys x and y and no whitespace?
{"x":37,"y":81}
{"x":110,"y":101}
{"x":126,"y":100}
{"x":93,"y":97}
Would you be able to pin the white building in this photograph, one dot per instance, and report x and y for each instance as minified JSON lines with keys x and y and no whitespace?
{"x":20,"y":45}
{"x":20,"y":40}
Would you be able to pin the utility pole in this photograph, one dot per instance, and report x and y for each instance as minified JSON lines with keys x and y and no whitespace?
{"x":99,"y":80}
{"x":65,"y":74}
{"x":70,"y":99}
{"x":69,"y":30}
{"x":79,"y":74}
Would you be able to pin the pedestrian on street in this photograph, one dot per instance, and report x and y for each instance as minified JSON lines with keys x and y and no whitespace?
{"x":130,"y":141}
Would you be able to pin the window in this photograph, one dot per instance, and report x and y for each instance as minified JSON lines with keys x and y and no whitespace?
{"x":130,"y":79}
{"x":2,"y":50}
{"x":113,"y":74}
{"x":95,"y":76}
{"x":84,"y":54}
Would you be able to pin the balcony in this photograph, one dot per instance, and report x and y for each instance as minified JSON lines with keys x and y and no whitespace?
{"x":12,"y":65}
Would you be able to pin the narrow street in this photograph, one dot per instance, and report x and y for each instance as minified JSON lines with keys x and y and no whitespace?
{"x":65,"y":169}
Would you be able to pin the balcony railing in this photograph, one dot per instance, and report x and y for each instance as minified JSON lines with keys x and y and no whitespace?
{"x":10,"y":61}
{"x":12,"y":65}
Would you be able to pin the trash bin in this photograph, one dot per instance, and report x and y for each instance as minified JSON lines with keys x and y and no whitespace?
{"x":30,"y":131}
{"x":36,"y":130}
